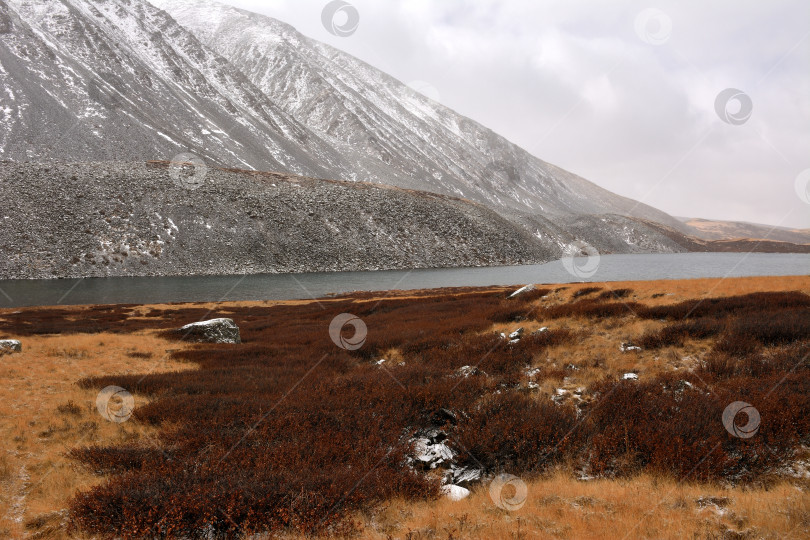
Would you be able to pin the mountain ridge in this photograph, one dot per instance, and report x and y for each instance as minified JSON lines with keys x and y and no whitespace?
{"x":299,"y":72}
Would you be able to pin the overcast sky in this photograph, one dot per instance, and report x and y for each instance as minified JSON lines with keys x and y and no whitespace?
{"x":612,"y":91}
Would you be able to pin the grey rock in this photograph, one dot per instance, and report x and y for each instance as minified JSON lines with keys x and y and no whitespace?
{"x":430,"y":455}
{"x":467,"y":371}
{"x":463,"y":476}
{"x":455,"y":493}
{"x":521,"y":291}
{"x":10,"y":345}
{"x":213,"y":331}
{"x":516,"y":335}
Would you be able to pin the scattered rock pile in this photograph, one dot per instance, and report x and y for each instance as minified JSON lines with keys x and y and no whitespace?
{"x":431,"y":451}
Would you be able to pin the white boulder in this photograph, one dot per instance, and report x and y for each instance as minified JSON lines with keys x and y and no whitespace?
{"x":454,"y":492}
{"x":213,"y":331}
{"x":10,"y":345}
{"x":521,"y":290}
{"x":517,"y":334}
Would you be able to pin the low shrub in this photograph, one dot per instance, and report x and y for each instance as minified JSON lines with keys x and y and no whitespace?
{"x":676,"y":333}
{"x":585,"y":291}
{"x":724,"y":306}
{"x":289,"y":433}
{"x":592,"y":309}
{"x":515,"y":433}
{"x":615,"y":294}
{"x":773,"y":327}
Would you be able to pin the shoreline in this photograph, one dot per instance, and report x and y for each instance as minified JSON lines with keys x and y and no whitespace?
{"x":261,"y":287}
{"x":713,"y":286}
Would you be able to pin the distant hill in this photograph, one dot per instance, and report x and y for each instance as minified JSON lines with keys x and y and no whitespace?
{"x":734,"y":230}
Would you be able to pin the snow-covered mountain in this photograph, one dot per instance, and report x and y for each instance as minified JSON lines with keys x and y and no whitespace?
{"x":104,"y":80}
{"x":123,"y":80}
{"x":347,"y":100}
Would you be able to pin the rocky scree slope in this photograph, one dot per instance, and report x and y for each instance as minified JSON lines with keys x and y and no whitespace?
{"x":136,"y":219}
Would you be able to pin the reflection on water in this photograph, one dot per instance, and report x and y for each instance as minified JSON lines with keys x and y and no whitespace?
{"x":147,"y":290}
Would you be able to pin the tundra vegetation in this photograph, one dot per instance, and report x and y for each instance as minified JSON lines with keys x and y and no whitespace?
{"x":289,"y":435}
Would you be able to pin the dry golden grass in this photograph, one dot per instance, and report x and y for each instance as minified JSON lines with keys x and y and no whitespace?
{"x":45,"y":414}
{"x":559,"y":506}
{"x":596,"y":353}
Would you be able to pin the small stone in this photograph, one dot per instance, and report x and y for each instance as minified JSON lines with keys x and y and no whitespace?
{"x":463,"y":476}
{"x":522,"y":290}
{"x":467,"y":371}
{"x":454,"y":492}
{"x":516,"y":334}
{"x":10,"y":345}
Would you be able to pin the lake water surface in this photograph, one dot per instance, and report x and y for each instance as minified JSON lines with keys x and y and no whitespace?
{"x":148,"y":290}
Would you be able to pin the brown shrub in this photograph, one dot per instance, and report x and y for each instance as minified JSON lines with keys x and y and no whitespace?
{"x":514,"y":432}
{"x":679,"y":430}
{"x":289,"y":432}
{"x":773,"y":327}
{"x":592,"y":309}
{"x":722,"y":364}
{"x":674,"y":334}
{"x":615,"y":294}
{"x":586,"y":291}
{"x":724,"y":306}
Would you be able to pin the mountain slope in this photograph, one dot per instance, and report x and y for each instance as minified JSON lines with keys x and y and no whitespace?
{"x":120,"y":79}
{"x":733,"y":230}
{"x":134,"y":219}
{"x":436,"y":149}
